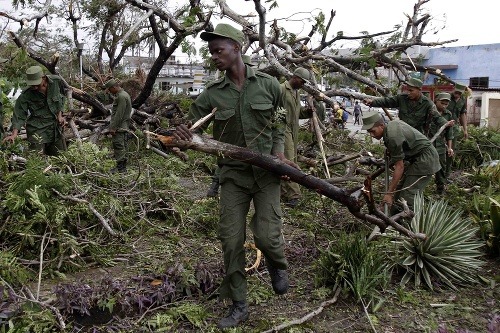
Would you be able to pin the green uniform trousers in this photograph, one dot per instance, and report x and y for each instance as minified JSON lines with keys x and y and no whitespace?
{"x":441,"y":174}
{"x":52,"y":148}
{"x":119,"y":144}
{"x":290,"y":190}
{"x":266,"y":227}
{"x":408,"y":187}
{"x":449,"y":161}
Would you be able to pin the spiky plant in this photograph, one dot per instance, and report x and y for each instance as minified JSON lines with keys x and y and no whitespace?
{"x":449,"y":254}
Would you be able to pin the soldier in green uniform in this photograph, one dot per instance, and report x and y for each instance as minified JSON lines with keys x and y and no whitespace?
{"x":414,"y":157}
{"x":213,"y":190}
{"x":39,"y":108}
{"x":443,"y":143}
{"x":415,"y":108}
{"x":290,"y":191}
{"x":2,"y":114}
{"x":458,"y":109}
{"x":248,"y":115}
{"x":119,"y":124}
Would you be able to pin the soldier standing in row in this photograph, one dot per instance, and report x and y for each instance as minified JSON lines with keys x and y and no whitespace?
{"x":458,"y":109}
{"x":39,"y":108}
{"x":248,"y":115}
{"x":415,"y":108}
{"x":119,"y":125}
{"x":443,"y":143}
{"x":290,"y":191}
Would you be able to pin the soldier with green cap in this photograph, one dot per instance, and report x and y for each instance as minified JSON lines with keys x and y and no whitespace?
{"x":213,"y":190}
{"x":414,"y":157}
{"x":443,"y":143}
{"x":248,"y":115}
{"x":2,"y":115}
{"x":415,"y":108}
{"x":119,"y":124}
{"x":290,"y":191}
{"x":39,"y":108}
{"x":458,"y":109}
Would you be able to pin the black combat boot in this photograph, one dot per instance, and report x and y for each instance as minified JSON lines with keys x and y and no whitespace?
{"x":122,"y":166}
{"x":213,"y":191}
{"x":238,"y":312}
{"x":279,"y":279}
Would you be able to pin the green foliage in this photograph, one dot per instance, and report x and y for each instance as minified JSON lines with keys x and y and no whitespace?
{"x":486,"y":215}
{"x":450,"y":254}
{"x":33,"y":319}
{"x":353,"y":263}
{"x":11,"y":271}
{"x":482,"y":146}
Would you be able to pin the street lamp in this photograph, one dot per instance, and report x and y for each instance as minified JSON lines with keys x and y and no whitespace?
{"x":80,"y":55}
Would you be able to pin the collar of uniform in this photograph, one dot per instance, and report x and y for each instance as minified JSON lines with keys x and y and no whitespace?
{"x":250,"y":74}
{"x":288,"y":86}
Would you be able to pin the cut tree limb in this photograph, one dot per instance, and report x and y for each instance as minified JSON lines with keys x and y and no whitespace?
{"x":345,"y":197}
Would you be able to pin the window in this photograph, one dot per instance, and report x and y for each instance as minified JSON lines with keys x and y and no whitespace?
{"x":479,"y":82}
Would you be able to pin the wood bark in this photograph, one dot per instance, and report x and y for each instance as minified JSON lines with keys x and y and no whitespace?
{"x":348,"y":198}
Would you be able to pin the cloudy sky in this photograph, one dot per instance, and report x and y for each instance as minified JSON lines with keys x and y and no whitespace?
{"x":471,"y":23}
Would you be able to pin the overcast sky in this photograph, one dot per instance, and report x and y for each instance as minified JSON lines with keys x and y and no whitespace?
{"x":471,"y":23}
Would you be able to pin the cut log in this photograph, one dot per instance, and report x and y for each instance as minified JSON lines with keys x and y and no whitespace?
{"x":350,"y":199}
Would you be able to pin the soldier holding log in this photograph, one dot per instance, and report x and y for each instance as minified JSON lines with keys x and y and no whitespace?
{"x":249,"y":114}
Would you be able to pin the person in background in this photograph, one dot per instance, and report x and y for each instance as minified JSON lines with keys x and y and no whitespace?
{"x":290,"y":191}
{"x":443,"y":143}
{"x":249,"y":114}
{"x":119,"y":124}
{"x":405,"y":145}
{"x":213,"y":190}
{"x":357,"y":112}
{"x":458,"y":109}
{"x":39,"y":109}
{"x":415,"y":108}
{"x":338,"y":114}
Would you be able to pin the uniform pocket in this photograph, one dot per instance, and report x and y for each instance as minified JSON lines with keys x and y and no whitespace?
{"x":224,"y":114}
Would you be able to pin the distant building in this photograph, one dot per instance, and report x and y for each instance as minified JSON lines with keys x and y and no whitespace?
{"x":476,"y":66}
{"x":175,"y":76}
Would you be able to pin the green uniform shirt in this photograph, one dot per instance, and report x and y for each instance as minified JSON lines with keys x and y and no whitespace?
{"x":440,"y":142}
{"x":404,"y":142}
{"x":457,"y":108}
{"x":38,"y":112}
{"x":418,"y":114}
{"x":246,"y":118}
{"x":122,"y":109}
{"x":291,"y":102}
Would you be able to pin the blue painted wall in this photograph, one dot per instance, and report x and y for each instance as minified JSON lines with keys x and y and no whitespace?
{"x":472,"y":61}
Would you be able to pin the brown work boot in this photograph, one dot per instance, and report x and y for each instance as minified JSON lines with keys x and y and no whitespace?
{"x":238,"y":313}
{"x":279,"y":279}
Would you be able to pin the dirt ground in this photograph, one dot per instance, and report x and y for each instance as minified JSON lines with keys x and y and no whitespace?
{"x":468,"y":309}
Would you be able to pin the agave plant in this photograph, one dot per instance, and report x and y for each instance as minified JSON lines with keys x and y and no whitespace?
{"x":449,"y":254}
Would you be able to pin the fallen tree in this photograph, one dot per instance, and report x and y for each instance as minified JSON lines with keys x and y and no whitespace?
{"x":350,"y":198}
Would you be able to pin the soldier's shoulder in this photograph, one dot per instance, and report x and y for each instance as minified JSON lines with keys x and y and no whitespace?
{"x":214,"y":82}
{"x":264,"y":75}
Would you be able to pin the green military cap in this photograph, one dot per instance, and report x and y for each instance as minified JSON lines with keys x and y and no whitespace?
{"x":369,"y":119}
{"x":226,"y":31}
{"x":3,"y":60}
{"x":302,"y":73}
{"x":460,"y":88}
{"x":110,"y":83}
{"x":414,"y":82}
{"x":34,"y":76}
{"x":247,"y":60}
{"x":443,"y":96}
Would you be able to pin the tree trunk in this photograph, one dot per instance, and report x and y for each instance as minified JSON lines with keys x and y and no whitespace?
{"x":349,"y":198}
